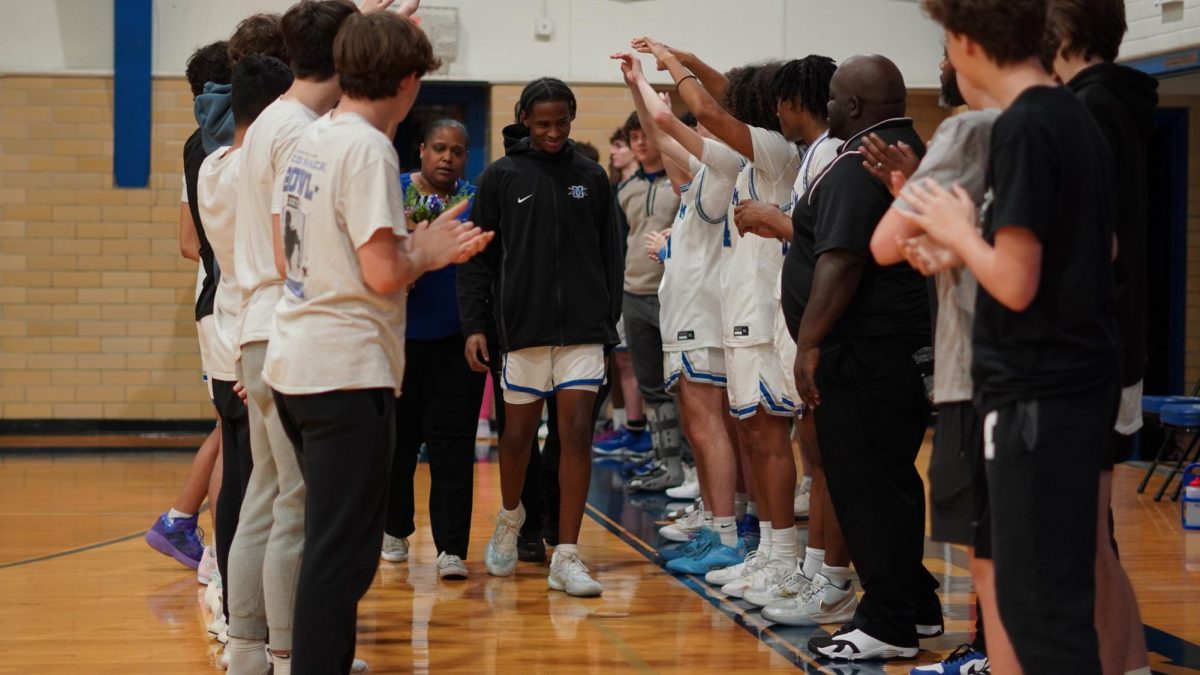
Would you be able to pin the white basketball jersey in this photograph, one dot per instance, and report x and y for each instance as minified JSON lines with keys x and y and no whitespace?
{"x":752,"y":264}
{"x":690,"y":293}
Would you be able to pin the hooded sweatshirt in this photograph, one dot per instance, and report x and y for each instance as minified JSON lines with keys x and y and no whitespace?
{"x":1123,"y":102}
{"x":214,"y":114}
{"x":552,"y":275}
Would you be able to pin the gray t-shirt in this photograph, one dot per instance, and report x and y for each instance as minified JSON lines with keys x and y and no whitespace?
{"x":958,"y":153}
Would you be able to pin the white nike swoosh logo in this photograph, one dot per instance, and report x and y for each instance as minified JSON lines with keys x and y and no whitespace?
{"x":521,"y":200}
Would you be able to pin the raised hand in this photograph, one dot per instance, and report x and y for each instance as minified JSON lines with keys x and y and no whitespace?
{"x":648,"y":45}
{"x":631,"y":67}
{"x":408,"y":7}
{"x":882,"y":160}
{"x":372,"y":6}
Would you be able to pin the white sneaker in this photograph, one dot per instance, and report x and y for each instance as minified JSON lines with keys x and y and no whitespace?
{"x":684,"y":529}
{"x":821,"y":603}
{"x":450,"y":566}
{"x":223,"y":662}
{"x":764,"y":576}
{"x":359,"y":666}
{"x":569,"y":574}
{"x":212,"y":594}
{"x":723,"y":576}
{"x":677,"y":513}
{"x":395,"y":549}
{"x":208,"y":565}
{"x":791,"y":586}
{"x":800,"y":501}
{"x":216,"y":626}
{"x":690,"y":489}
{"x":500,"y":556}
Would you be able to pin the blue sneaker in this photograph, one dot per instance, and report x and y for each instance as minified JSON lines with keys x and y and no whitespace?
{"x":704,"y":540}
{"x":714,"y":557}
{"x":641,"y":444}
{"x":748,"y":529}
{"x":620,"y":442}
{"x":638,"y":467}
{"x":180,"y":539}
{"x":962,"y":661}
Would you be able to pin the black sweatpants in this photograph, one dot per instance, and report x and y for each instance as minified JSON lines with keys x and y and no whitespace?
{"x":236,"y":463}
{"x":870,"y":425}
{"x":439,"y":406}
{"x":1043,"y":466}
{"x":344,"y":442}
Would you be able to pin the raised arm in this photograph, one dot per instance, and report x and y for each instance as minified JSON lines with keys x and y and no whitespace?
{"x":702,"y":101}
{"x":712,"y":79}
{"x":651,"y":109}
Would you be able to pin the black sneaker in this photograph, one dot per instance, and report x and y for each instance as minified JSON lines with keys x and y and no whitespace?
{"x":530,"y":547}
{"x":851,"y":644}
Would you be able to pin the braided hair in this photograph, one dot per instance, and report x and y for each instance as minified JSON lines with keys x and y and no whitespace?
{"x":543,"y":90}
{"x":805,"y":82}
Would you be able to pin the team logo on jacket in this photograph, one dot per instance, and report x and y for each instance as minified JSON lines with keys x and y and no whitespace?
{"x":577,"y":191}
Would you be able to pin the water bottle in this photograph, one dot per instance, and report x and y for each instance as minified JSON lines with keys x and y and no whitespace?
{"x":1191,"y":497}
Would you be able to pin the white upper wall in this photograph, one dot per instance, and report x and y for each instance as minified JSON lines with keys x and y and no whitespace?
{"x":497,"y":40}
{"x":1157,"y":29}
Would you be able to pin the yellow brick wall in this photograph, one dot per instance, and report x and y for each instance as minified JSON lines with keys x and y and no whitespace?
{"x":95,"y":301}
{"x":96,"y":316}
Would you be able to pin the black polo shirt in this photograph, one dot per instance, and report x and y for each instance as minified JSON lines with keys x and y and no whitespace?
{"x":840,"y":212}
{"x":1050,"y":171}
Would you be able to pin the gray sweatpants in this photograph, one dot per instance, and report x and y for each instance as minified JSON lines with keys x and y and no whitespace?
{"x":644,"y":339}
{"x":264,"y":560}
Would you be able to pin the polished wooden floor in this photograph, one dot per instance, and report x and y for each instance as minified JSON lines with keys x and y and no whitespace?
{"x":82,"y":593}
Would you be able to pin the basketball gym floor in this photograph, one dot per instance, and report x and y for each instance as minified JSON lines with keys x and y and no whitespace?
{"x":83,"y":593}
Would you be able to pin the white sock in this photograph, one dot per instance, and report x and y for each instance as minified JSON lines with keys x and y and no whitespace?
{"x":247,"y":656}
{"x":814,"y":558}
{"x":516,"y":515}
{"x":784,"y":545}
{"x":568,"y":550}
{"x":752,"y":508}
{"x":619,"y":418}
{"x":726,"y":527}
{"x":838,"y":576}
{"x":173,"y":515}
{"x":281,"y":665}
{"x":764,"y":540}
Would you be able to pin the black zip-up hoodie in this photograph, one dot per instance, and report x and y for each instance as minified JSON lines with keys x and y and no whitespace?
{"x":1123,"y":102}
{"x":553,"y":274}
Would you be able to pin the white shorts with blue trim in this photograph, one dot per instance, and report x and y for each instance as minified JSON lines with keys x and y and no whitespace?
{"x":757,"y":377}
{"x":705,"y":365}
{"x":537,"y":372}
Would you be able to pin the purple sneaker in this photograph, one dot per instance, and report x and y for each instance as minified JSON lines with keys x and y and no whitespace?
{"x":180,"y":539}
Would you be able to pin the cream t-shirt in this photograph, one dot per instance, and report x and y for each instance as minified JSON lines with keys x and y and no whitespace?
{"x":332,"y":332}
{"x":216,"y":196}
{"x":265,"y":151}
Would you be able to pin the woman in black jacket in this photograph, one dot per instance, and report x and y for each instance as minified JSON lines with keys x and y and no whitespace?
{"x":551,"y":281}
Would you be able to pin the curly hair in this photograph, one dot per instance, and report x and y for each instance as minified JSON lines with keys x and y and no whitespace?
{"x":209,"y":63}
{"x":748,"y":95}
{"x":805,"y":82}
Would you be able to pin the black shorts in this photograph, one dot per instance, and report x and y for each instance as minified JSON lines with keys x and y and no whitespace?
{"x":958,"y":491}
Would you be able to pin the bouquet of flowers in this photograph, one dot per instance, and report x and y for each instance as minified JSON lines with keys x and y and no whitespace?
{"x":419,"y":207}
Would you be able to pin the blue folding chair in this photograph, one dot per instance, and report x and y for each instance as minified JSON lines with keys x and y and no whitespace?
{"x":1152,"y":410}
{"x":1179,"y":418}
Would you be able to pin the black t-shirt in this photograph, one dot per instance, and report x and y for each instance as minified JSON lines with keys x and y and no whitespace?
{"x":1050,"y":172}
{"x":840,"y":212}
{"x":193,"y":157}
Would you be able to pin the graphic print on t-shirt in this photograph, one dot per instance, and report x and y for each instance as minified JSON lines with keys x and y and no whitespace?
{"x":292,"y":233}
{"x":298,"y":188}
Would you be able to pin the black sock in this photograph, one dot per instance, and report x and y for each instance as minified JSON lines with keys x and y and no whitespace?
{"x":636,"y":426}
